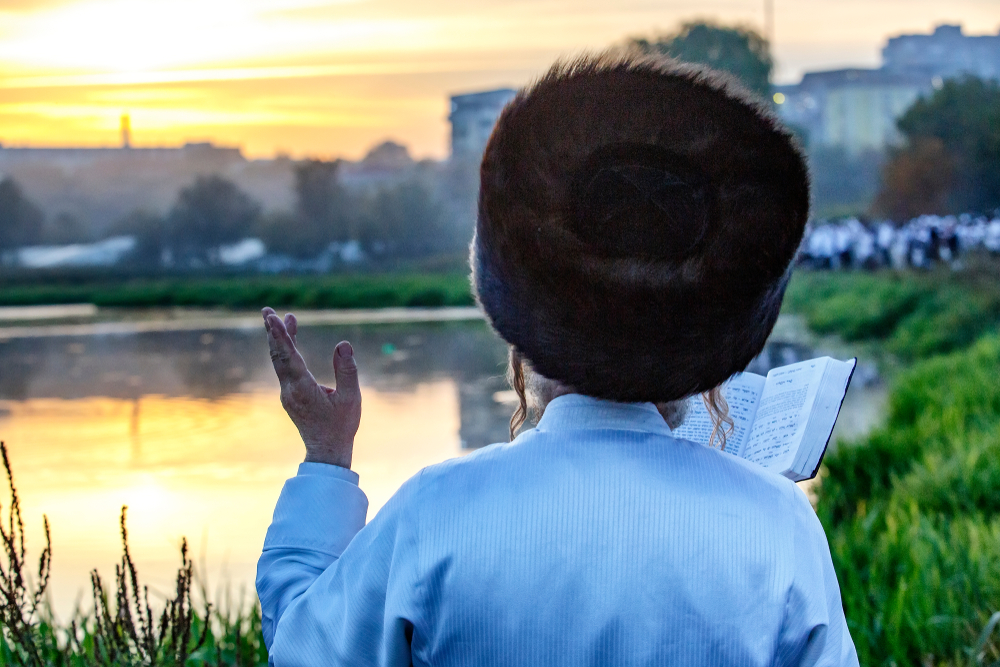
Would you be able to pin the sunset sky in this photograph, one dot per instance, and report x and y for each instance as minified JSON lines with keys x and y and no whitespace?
{"x":333,"y":77}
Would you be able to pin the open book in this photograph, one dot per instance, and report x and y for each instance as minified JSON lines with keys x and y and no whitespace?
{"x":783,"y":421}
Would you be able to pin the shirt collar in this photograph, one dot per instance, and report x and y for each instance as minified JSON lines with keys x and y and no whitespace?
{"x":576,"y":411}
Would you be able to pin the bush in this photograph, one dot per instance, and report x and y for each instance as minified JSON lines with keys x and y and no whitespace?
{"x":913,"y":516}
{"x":912,"y":511}
{"x":914,"y":315}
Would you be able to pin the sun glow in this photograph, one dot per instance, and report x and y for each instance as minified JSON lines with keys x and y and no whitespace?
{"x":403,"y":56}
{"x":210,"y":470}
{"x":128,"y":37}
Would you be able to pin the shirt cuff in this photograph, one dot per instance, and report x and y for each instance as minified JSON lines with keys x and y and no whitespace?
{"x":321,"y":508}
{"x":328,"y":470}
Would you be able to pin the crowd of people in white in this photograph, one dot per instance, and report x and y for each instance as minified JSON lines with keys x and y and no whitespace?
{"x":919,"y":243}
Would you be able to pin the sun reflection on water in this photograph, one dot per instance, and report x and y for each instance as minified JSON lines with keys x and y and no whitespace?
{"x":209,"y":470}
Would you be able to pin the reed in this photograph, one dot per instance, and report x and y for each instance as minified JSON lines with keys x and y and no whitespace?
{"x":121,"y":629}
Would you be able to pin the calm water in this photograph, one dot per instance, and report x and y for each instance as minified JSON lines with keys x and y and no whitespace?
{"x":185,"y":428}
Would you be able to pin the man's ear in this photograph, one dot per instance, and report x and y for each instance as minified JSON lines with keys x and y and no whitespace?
{"x":673,"y":412}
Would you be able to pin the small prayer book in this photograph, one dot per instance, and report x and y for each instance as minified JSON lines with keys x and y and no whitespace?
{"x":783,"y":421}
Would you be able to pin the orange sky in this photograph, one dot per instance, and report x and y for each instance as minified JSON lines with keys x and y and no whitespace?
{"x":333,"y":77}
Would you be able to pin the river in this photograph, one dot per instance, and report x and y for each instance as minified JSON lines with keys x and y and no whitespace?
{"x":179,"y":420}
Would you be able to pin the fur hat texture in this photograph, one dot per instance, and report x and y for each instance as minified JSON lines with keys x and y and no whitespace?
{"x":637,"y":221}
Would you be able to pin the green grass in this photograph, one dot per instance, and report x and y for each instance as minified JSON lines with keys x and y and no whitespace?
{"x":912,"y":511}
{"x":327,"y":291}
{"x":910,"y":315}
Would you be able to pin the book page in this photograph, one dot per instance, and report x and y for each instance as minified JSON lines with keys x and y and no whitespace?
{"x":742,"y":393}
{"x":782,"y":413}
{"x":822,"y":418}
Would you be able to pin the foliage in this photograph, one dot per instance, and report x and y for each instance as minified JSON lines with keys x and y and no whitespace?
{"x":21,"y":608}
{"x":123,"y":632}
{"x":740,"y":51}
{"x":917,"y":180}
{"x":65,"y":228}
{"x":151,"y":237}
{"x":913,"y":517}
{"x":324,"y":213}
{"x":843,"y":183}
{"x":406,"y":220}
{"x":912,"y":316}
{"x":951,"y":162}
{"x":911,"y":510}
{"x":207,"y":214}
{"x":20,"y":219}
{"x":332,"y":291}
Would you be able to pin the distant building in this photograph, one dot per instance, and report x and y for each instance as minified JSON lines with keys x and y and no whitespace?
{"x":96,"y":187}
{"x":857,"y":109}
{"x":71,"y":158}
{"x":853,"y":109}
{"x":472,"y":119}
{"x":946,"y":53}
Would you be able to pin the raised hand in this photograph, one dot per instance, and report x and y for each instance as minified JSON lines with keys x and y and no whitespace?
{"x":327,"y":419}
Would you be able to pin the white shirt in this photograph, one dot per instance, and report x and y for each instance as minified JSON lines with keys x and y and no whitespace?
{"x":594,"y":539}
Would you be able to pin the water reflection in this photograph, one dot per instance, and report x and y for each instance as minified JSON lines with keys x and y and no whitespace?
{"x":186,"y":429}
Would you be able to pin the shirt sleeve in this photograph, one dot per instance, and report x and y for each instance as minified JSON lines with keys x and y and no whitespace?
{"x":814,"y":632}
{"x":332,"y":590}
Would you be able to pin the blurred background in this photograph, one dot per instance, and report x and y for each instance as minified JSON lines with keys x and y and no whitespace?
{"x":168,"y":168}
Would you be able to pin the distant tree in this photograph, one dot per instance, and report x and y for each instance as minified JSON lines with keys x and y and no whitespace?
{"x":151,"y":237}
{"x":66,"y":228}
{"x":917,"y":180}
{"x":283,"y":232}
{"x":406,"y":220}
{"x":740,"y":51}
{"x":952,"y":148}
{"x":321,"y":202}
{"x":21,"y":221}
{"x":207,"y":214}
{"x":843,"y":183}
{"x":325,"y":213}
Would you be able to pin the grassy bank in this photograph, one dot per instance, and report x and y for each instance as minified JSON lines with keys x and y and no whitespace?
{"x":909,"y":315}
{"x":251,"y":291}
{"x":912,"y":510}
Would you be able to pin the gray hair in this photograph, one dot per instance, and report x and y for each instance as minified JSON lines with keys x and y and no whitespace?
{"x":535,"y":392}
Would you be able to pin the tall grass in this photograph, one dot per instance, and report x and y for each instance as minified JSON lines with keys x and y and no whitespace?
{"x":912,"y":511}
{"x":910,"y":315}
{"x":122,"y":629}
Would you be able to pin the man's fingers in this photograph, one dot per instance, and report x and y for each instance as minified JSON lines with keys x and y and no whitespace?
{"x":291,"y":326}
{"x":345,"y":368}
{"x":265,"y":312}
{"x":288,"y":363}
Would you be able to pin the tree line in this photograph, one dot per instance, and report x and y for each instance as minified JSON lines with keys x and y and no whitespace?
{"x":402,"y":219}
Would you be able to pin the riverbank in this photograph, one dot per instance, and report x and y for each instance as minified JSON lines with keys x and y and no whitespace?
{"x":118,"y":322}
{"x":341,"y":291}
{"x":911,"y":509}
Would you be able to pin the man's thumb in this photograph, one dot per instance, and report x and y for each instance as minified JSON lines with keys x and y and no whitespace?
{"x":345,"y":368}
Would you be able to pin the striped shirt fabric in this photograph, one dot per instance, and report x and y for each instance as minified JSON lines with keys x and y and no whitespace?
{"x":594,"y":539}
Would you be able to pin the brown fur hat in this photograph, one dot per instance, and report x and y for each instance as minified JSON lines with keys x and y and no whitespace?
{"x":637,"y":220}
